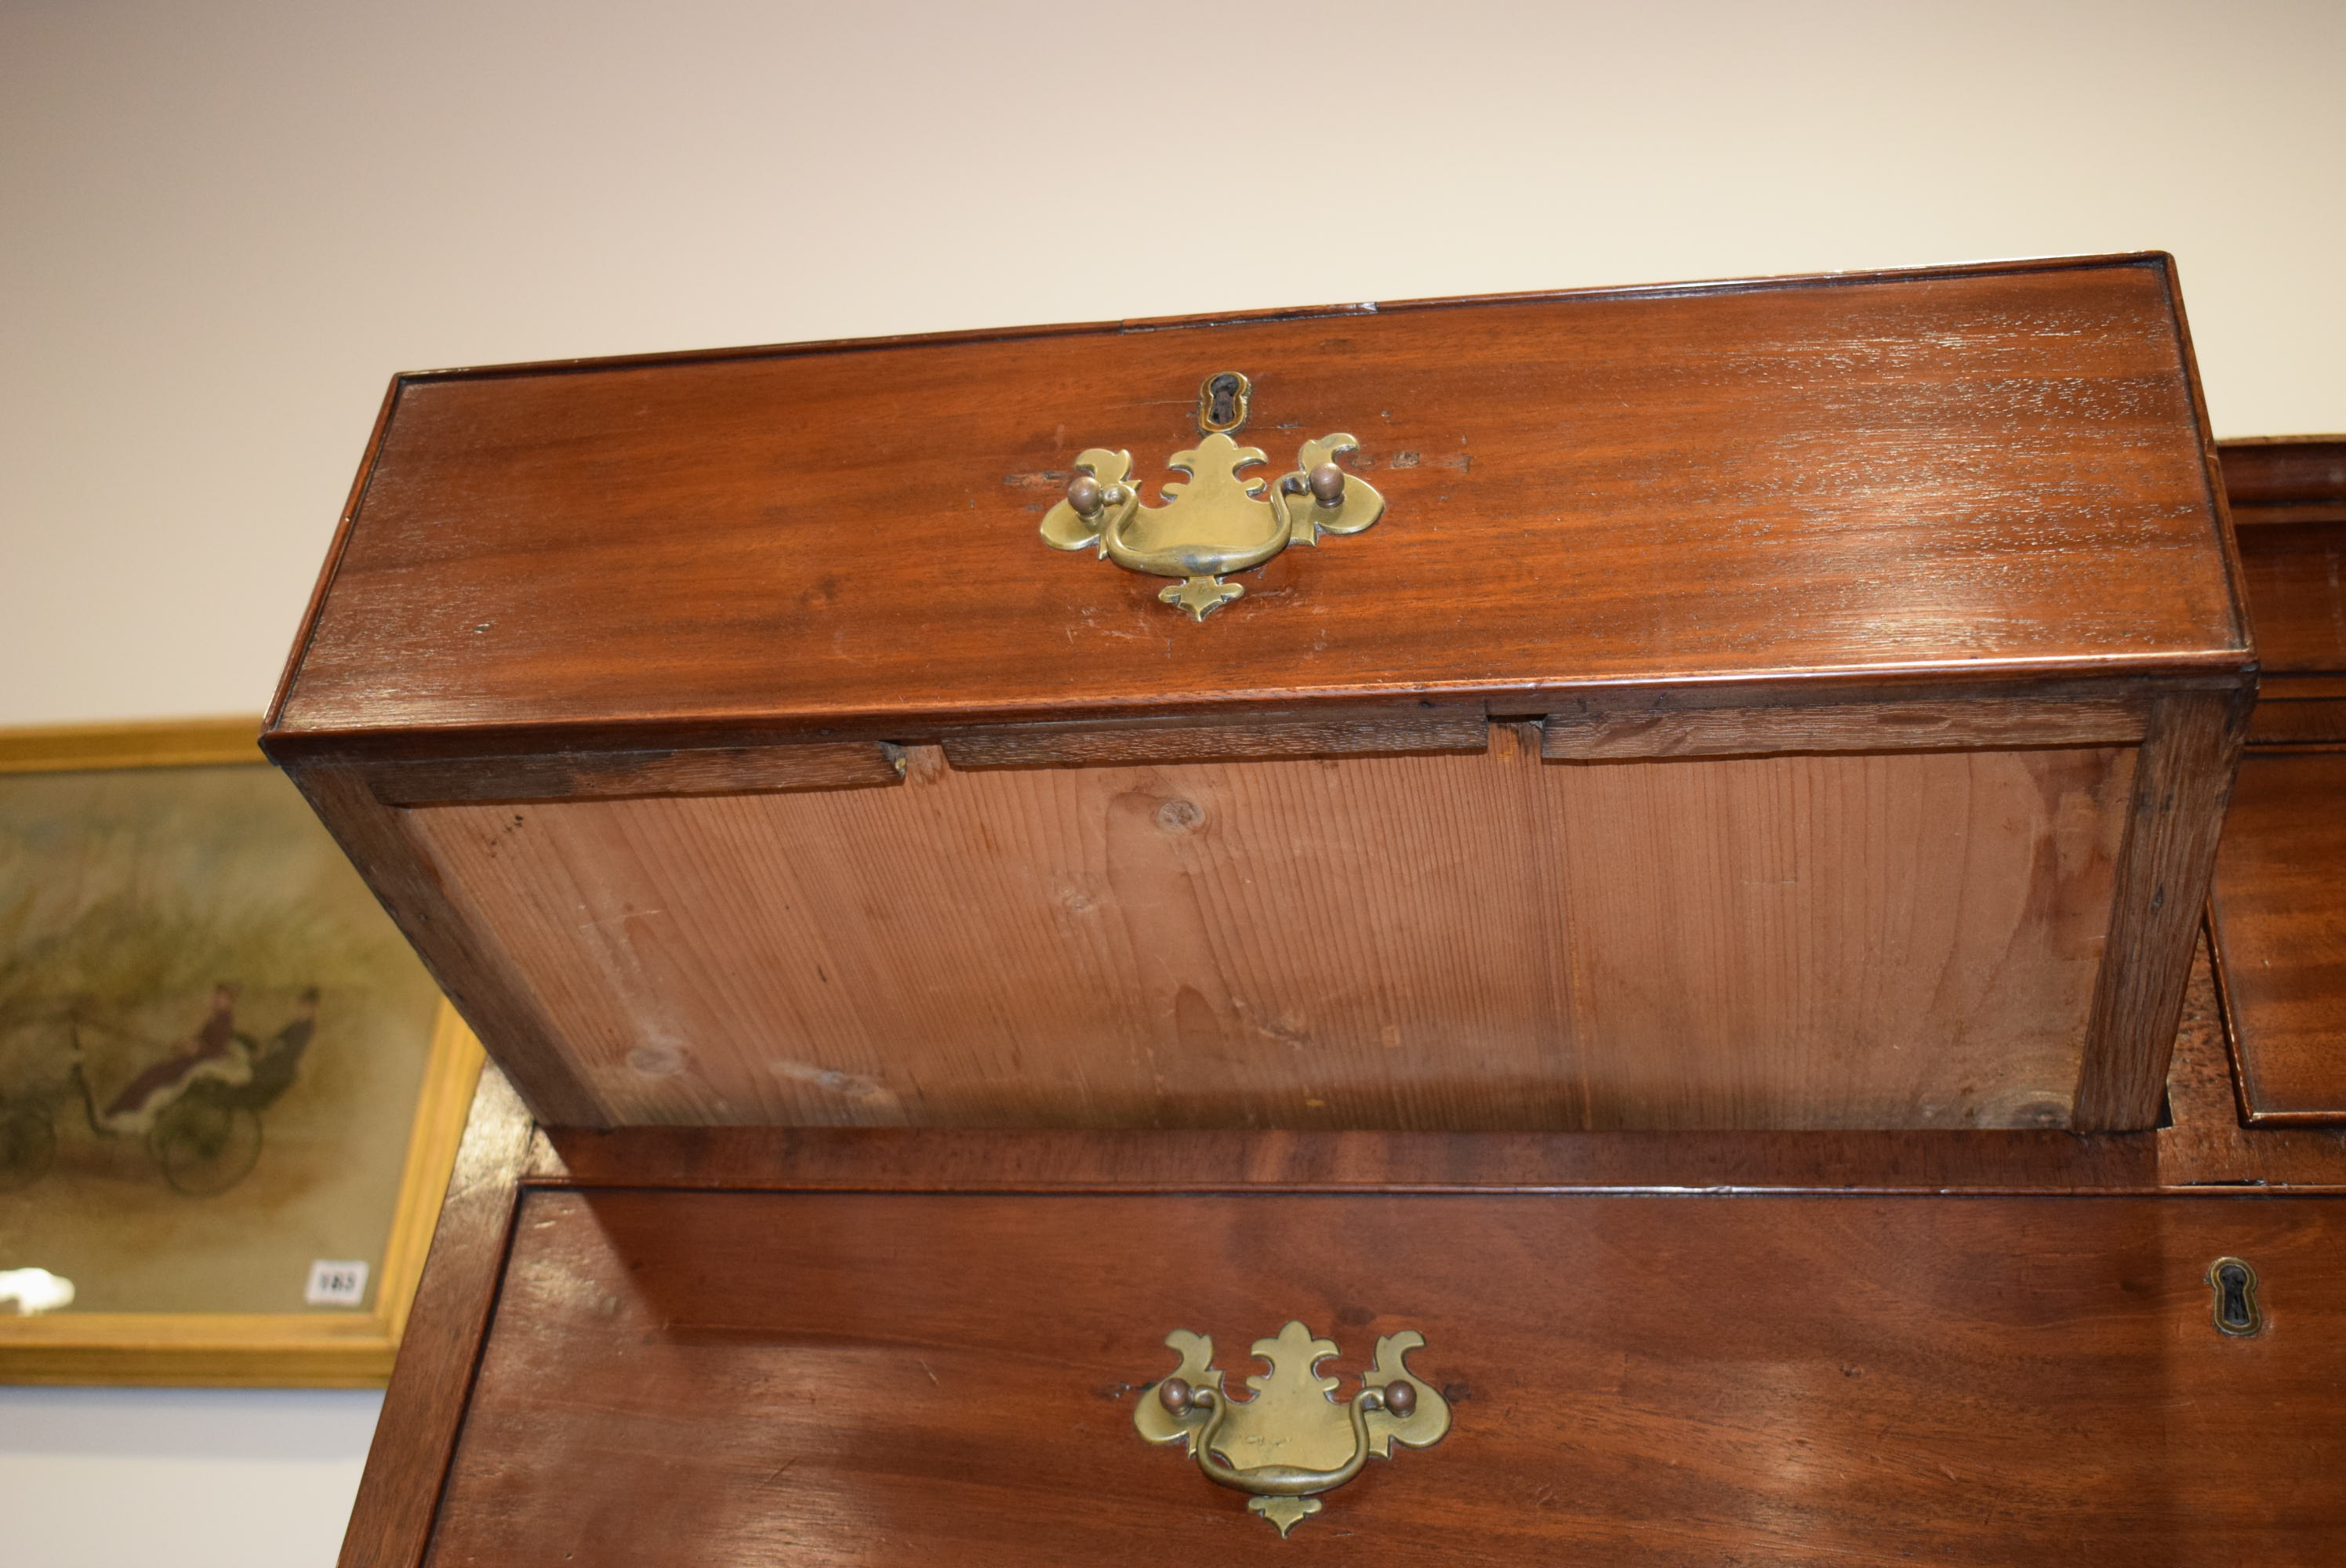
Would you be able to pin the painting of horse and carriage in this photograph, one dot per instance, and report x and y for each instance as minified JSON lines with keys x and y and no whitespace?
{"x":212,"y":1042}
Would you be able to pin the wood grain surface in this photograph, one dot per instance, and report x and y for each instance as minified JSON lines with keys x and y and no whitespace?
{"x":1993,"y":471}
{"x":1438,"y":942}
{"x":2280,"y":909}
{"x":716,"y":1378}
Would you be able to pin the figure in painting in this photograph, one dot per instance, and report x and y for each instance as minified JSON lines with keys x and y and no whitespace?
{"x":197,"y":1109}
{"x":215,"y":1055}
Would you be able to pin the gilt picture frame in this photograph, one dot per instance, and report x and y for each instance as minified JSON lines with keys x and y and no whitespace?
{"x":230,"y":1094}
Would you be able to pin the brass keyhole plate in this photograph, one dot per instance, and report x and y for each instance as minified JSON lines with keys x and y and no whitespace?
{"x":2236,"y":1314}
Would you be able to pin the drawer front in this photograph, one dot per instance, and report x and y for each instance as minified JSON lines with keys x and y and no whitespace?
{"x":734,"y":1378}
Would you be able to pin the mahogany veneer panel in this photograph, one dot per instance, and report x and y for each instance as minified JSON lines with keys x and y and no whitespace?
{"x":2280,"y":907}
{"x":1996,"y":470}
{"x":708,"y":1377}
{"x":1469,"y":941}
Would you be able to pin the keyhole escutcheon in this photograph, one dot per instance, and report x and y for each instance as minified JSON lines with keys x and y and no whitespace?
{"x":1223,"y":402}
{"x":2236,"y":1314}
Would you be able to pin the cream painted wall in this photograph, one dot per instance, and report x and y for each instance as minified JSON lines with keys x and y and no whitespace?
{"x":178,"y":1478}
{"x":223,"y":226}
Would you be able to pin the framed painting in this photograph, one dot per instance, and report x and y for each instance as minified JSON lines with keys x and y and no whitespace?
{"x":230,"y":1094}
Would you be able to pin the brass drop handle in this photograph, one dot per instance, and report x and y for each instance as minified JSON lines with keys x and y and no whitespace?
{"x":1282,"y":1480}
{"x":1291,"y":1410}
{"x":1218,"y":519}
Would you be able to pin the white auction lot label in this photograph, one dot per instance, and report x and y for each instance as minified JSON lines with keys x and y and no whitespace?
{"x":335,"y":1282}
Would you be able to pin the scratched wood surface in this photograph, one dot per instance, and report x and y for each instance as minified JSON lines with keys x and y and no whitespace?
{"x":1998,"y":469}
{"x":719,"y":1377}
{"x":1441,"y":942}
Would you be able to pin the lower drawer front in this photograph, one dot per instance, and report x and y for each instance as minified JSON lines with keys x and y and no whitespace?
{"x":739,"y":1378}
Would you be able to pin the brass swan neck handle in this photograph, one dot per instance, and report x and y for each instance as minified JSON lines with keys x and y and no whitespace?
{"x":1294,"y":1411}
{"x":1218,"y":519}
{"x":1273,"y":1480}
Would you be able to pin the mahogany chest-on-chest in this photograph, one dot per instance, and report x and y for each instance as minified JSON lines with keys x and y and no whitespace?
{"x":1546,"y":839}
